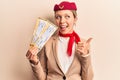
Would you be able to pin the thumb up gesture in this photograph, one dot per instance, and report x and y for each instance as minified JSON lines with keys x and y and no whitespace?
{"x":83,"y":47}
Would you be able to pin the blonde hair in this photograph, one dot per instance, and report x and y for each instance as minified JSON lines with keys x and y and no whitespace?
{"x":74,"y":13}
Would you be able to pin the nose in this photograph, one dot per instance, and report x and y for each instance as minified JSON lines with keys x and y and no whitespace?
{"x":62,"y":20}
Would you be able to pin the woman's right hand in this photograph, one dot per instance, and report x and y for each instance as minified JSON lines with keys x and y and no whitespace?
{"x":32,"y":54}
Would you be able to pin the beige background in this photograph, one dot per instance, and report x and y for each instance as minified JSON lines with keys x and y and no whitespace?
{"x":99,"y":19}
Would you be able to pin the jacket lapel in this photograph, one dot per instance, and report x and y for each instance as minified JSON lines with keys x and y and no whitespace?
{"x":54,"y":47}
{"x":73,"y":62}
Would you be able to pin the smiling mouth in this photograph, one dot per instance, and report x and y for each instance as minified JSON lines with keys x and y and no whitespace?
{"x":63,"y":28}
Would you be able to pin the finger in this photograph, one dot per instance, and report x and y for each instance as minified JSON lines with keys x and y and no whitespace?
{"x":89,"y":40}
{"x":34,"y":50}
{"x":28,"y":53}
{"x":29,"y":56}
{"x":80,"y":51}
{"x":80,"y":44}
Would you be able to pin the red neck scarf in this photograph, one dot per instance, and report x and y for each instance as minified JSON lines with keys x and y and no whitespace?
{"x":73,"y":37}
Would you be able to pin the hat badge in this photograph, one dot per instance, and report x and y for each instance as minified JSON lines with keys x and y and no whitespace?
{"x":61,"y":7}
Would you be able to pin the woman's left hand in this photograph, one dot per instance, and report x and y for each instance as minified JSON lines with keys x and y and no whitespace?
{"x":83,"y":47}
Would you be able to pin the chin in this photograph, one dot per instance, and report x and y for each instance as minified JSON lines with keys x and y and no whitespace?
{"x":64,"y":32}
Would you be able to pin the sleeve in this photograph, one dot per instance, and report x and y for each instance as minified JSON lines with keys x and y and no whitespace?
{"x":86,"y":65}
{"x":40,"y":70}
{"x":86,"y":68}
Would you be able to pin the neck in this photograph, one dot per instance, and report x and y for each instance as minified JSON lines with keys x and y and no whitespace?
{"x":73,"y":37}
{"x":67,"y":34}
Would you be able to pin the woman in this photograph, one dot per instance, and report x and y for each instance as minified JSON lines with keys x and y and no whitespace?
{"x":65,"y":56}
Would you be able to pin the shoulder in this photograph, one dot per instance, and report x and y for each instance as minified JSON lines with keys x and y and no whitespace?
{"x":52,"y":39}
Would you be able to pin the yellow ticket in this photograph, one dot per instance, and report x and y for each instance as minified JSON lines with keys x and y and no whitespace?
{"x":44,"y":29}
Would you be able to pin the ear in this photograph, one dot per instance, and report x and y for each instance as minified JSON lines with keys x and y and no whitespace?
{"x":76,"y":18}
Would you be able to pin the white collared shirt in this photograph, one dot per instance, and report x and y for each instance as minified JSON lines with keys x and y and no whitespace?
{"x":64,"y":59}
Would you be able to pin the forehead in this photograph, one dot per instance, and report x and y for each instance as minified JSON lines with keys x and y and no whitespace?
{"x":64,"y":12}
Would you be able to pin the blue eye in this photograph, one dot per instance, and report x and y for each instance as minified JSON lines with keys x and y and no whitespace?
{"x":67,"y":17}
{"x":57,"y":17}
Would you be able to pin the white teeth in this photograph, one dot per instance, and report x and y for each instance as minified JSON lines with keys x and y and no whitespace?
{"x":63,"y":26}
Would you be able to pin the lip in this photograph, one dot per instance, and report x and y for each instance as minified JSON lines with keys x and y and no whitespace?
{"x":63,"y":26}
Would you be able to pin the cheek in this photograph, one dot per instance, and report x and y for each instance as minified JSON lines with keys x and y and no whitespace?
{"x":57,"y":22}
{"x":71,"y":23}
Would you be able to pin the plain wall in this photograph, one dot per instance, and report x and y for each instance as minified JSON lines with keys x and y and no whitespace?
{"x":99,"y":19}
